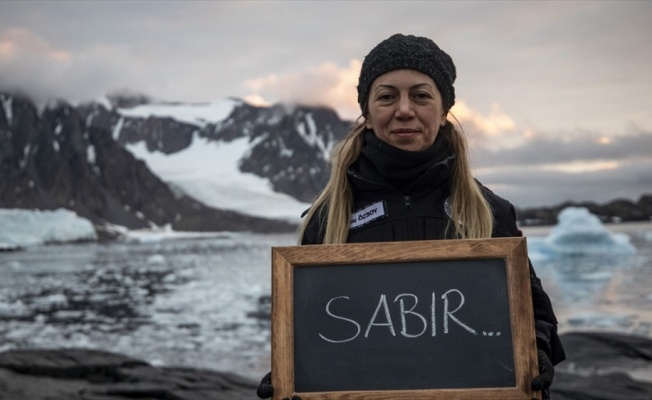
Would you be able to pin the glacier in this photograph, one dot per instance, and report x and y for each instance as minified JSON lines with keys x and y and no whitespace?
{"x":23,"y":228}
{"x":208,"y":171}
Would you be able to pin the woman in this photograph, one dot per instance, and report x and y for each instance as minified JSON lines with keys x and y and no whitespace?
{"x":407,"y":161}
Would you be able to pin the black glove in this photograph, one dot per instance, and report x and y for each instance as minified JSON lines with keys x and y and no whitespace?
{"x":265,"y":389}
{"x":546,"y":374}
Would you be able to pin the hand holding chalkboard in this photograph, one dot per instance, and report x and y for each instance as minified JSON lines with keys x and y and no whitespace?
{"x":547,"y":372}
{"x":265,"y":388}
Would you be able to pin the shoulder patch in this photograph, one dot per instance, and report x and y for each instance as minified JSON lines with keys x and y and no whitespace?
{"x":448,"y":208}
{"x":367,"y":214}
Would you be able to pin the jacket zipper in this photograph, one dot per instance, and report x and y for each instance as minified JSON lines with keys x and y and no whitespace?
{"x":409,"y":219}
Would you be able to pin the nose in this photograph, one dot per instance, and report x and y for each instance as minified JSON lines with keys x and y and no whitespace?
{"x":404,"y":108}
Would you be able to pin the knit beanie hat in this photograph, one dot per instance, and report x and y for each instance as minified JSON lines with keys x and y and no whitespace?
{"x":408,"y":52}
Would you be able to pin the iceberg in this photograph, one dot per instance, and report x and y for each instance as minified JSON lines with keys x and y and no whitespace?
{"x":22,"y":228}
{"x":580,"y":259}
{"x":578,"y":232}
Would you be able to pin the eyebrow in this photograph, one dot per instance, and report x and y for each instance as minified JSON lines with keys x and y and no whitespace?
{"x":386,"y":85}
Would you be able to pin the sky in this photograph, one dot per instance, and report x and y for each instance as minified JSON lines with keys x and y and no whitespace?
{"x":554,"y":97}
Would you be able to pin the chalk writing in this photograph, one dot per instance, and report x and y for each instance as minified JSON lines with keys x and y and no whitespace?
{"x":413,"y":323}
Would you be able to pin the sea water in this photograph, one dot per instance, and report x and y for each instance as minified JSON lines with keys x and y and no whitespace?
{"x":188,"y":302}
{"x":196,"y":302}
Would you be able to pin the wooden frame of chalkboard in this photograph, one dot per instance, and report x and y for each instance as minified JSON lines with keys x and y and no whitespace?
{"x":445,"y":319}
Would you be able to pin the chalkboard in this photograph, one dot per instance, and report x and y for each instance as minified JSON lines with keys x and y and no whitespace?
{"x":432,"y":319}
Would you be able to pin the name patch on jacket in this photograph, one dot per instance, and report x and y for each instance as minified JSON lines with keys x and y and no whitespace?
{"x":368,"y":214}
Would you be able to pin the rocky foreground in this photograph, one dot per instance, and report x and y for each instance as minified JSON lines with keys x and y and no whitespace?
{"x":603,"y":366}
{"x":81,"y":374}
{"x":600,"y":366}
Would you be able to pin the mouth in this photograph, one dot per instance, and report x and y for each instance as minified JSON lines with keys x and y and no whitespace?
{"x":405,"y":132}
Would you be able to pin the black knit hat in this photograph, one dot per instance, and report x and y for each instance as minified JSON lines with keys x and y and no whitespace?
{"x":409,"y":52}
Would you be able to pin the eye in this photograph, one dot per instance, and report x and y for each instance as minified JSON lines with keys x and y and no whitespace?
{"x":422,"y":95}
{"x":386,"y":96}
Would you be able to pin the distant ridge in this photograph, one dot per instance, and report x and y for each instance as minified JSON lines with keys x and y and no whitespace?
{"x":618,"y":210}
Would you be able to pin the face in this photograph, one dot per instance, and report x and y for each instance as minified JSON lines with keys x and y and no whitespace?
{"x":405,"y":109}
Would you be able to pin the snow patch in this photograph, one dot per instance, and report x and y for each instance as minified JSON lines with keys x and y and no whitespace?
{"x":90,"y":154}
{"x":117,"y":128}
{"x":208,"y":171}
{"x":194,"y":114}
{"x":104,"y":102}
{"x":308,"y":131}
{"x":7,"y":105}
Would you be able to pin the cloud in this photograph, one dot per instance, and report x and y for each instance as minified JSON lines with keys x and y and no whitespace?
{"x":535,"y":168}
{"x":546,"y":150}
{"x":494,"y":131}
{"x":530,"y":186}
{"x":18,"y":43}
{"x":27,"y":62}
{"x":549,"y":169}
{"x":326,"y":84}
{"x":257,"y":100}
{"x":31,"y":65}
{"x":497,"y":123}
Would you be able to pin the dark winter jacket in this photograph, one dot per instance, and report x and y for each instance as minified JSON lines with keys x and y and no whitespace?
{"x":420,"y":211}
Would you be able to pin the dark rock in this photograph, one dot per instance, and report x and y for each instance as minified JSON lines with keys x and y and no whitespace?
{"x":645,"y":204}
{"x":600,"y":366}
{"x":613,"y":386}
{"x":127,"y":99}
{"x":264,"y":309}
{"x":68,"y":374}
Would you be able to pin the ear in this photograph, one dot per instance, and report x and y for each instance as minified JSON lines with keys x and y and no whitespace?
{"x":368,"y":123}
{"x":443,"y":120}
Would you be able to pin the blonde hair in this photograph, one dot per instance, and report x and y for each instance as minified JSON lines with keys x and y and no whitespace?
{"x":471,"y":215}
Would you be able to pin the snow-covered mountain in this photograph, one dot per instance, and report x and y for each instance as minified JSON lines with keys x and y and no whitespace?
{"x":217,"y":166}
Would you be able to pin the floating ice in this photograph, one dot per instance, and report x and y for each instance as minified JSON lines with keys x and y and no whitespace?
{"x":156,"y":259}
{"x":647,"y":236}
{"x":29,"y":228}
{"x":13,"y":308}
{"x":596,"y":319}
{"x":580,"y":232}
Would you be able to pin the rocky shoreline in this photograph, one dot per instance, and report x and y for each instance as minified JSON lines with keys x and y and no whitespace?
{"x":604,"y":366}
{"x":600,"y":366}
{"x":83,"y":374}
